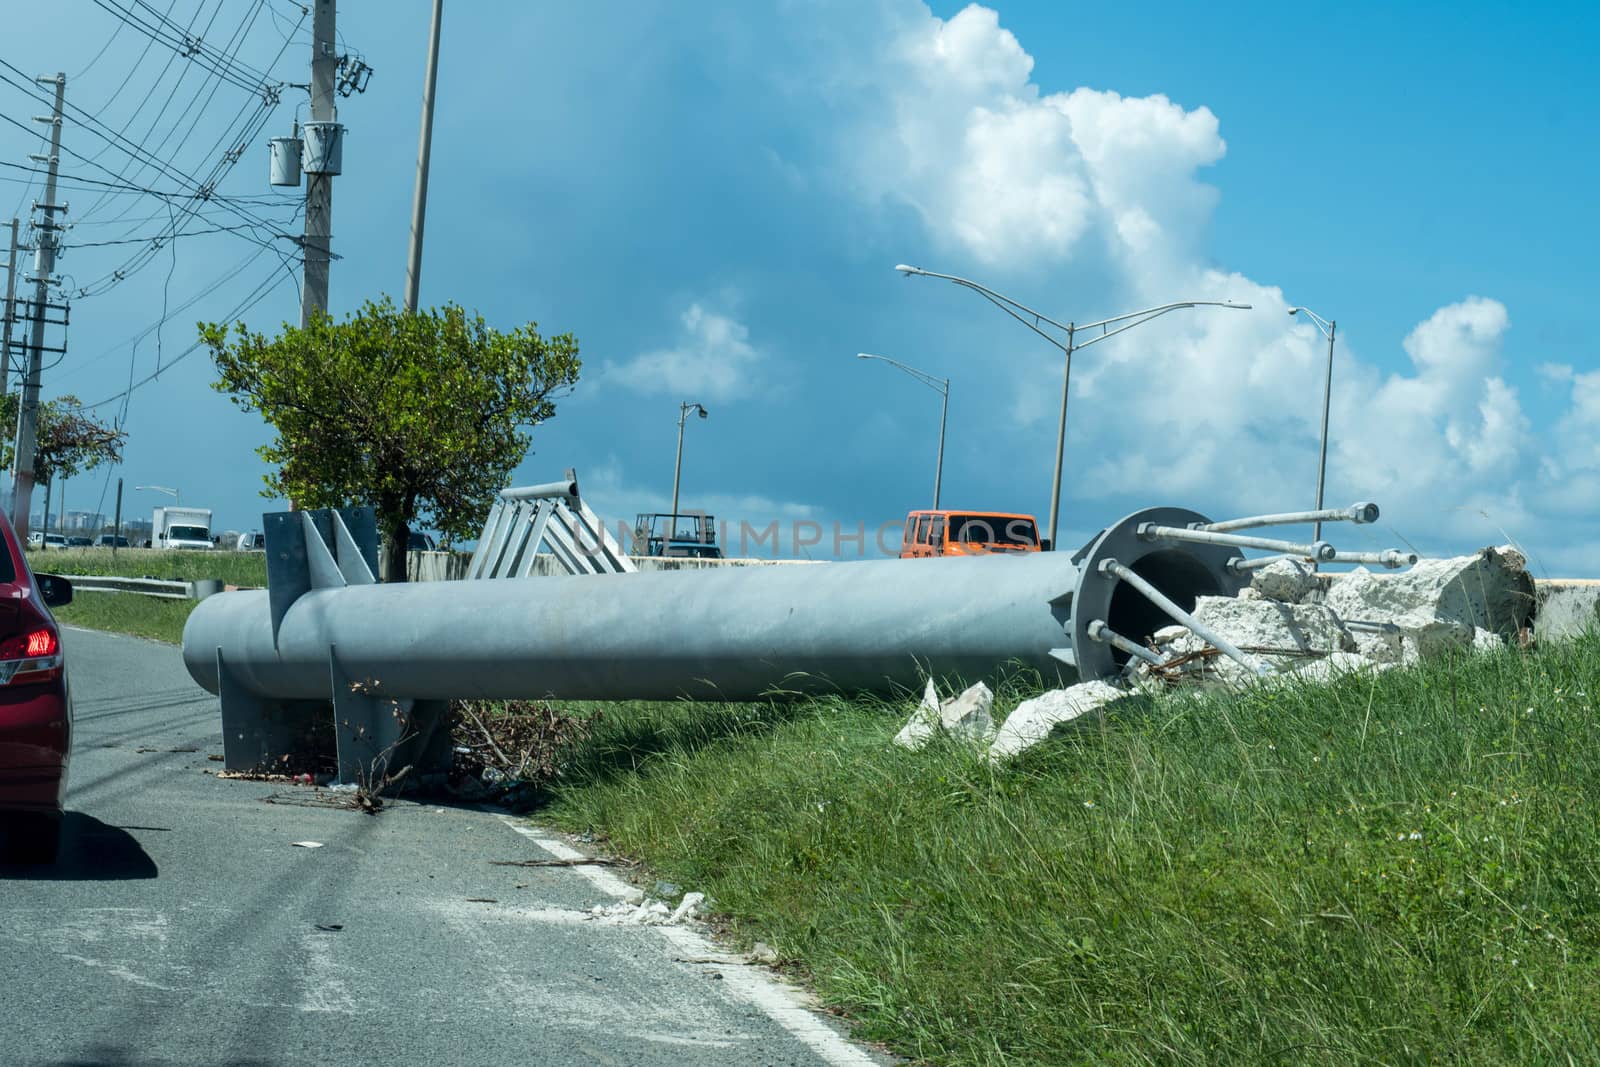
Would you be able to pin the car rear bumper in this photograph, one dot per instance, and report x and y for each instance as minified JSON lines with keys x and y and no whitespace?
{"x":35,"y":739}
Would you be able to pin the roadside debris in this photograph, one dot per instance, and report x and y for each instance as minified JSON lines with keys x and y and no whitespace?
{"x":503,"y":750}
{"x":1299,"y":626}
{"x":650,"y":912}
{"x":966,"y":718}
{"x":584,"y":861}
{"x":306,"y":844}
{"x":1033,"y":719}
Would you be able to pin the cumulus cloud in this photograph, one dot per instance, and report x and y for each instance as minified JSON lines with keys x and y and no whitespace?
{"x":1205,"y":405}
{"x":712,"y":359}
{"x":1006,"y":174}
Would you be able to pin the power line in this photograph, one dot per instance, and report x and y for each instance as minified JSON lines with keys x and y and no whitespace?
{"x":91,"y":124}
{"x":260,"y":293}
{"x":234,"y":42}
{"x":187,"y":45}
{"x":160,"y":241}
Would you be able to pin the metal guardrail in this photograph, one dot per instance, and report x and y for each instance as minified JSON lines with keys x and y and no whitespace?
{"x":106,"y":583}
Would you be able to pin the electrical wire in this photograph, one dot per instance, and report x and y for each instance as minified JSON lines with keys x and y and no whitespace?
{"x":260,"y":293}
{"x":235,"y":41}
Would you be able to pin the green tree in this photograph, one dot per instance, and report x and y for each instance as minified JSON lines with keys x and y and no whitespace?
{"x":421,"y":416}
{"x":69,"y":440}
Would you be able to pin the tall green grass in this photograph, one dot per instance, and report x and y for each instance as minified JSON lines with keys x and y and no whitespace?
{"x":1402,"y":868}
{"x":128,"y":613}
{"x":178,"y":565}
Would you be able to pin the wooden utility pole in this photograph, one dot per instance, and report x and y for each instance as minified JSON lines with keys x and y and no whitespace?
{"x":319,"y":184}
{"x":44,"y":265}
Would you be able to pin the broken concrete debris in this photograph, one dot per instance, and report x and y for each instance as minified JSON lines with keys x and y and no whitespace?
{"x":1303,"y":625}
{"x":1034,"y":718}
{"x":1285,"y":580}
{"x":965,"y":718}
{"x":649,"y":912}
{"x":1437,"y":606}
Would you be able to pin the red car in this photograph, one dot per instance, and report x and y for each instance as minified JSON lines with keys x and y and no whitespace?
{"x":35,"y":709}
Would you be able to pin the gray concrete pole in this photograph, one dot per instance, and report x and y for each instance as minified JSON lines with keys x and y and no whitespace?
{"x":419,"y":203}
{"x":938,"y":467}
{"x":44,"y":265}
{"x":319,"y":187}
{"x":10,"y":314}
{"x":1322,"y":450}
{"x":1061,"y":436}
{"x":677,"y":466}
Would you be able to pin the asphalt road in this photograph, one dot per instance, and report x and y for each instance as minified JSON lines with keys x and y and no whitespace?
{"x":183,"y":926}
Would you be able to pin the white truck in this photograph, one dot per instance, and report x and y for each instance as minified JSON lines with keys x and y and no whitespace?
{"x":177,"y":527}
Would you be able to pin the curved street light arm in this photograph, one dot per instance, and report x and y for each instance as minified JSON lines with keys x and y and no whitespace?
{"x":941,"y":385}
{"x":1003,"y":301}
{"x":1322,"y":324}
{"x":1141,"y":317}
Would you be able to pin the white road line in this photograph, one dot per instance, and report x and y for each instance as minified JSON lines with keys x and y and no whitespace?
{"x":778,"y":1001}
{"x":599,"y":877}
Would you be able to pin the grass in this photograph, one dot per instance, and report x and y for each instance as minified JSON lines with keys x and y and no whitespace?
{"x":233,"y":568}
{"x":1394,"y":869}
{"x":128,"y":613}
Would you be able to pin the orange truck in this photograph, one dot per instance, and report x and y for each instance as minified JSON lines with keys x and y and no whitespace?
{"x":967,"y":533}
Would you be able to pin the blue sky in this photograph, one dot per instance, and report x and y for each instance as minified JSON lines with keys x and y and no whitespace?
{"x":712,"y":198}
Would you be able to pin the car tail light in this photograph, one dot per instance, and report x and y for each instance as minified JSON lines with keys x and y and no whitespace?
{"x":31,"y":657}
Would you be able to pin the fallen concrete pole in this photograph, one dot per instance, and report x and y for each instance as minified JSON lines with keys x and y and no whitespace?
{"x":389,"y":655}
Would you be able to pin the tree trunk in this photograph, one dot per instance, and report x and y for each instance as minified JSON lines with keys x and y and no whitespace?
{"x":396,"y":542}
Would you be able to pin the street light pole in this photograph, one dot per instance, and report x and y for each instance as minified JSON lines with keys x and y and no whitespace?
{"x":173,"y":493}
{"x":677,"y":467}
{"x":1329,"y":328}
{"x":942,"y":385}
{"x":1037,"y":321}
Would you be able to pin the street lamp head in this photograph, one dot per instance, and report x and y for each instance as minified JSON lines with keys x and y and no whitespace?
{"x":1295,"y":311}
{"x":701,"y":408}
{"x":907,"y":270}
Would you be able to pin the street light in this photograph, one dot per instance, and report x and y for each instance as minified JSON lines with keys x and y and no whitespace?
{"x":173,"y":493}
{"x":677,"y":469}
{"x":1328,"y":328}
{"x":1033,"y":320}
{"x":943,"y":387}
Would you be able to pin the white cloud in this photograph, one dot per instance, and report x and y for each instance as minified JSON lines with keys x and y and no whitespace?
{"x":1207,"y":405}
{"x":1007,"y":175}
{"x":713,"y":359}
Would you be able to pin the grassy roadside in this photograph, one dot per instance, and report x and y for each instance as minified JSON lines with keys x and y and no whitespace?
{"x":233,"y":568}
{"x":128,"y":613}
{"x":1397,"y":869}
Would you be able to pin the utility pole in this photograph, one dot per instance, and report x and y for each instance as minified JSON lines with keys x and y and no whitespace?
{"x":319,"y":185}
{"x":419,"y":204}
{"x":116,"y":525}
{"x":44,"y":265}
{"x":10,"y":314}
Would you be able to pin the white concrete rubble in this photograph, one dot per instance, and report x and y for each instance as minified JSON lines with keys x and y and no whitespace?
{"x":1489,"y":590}
{"x":1033,"y":719}
{"x":966,"y":717}
{"x":923,"y":722}
{"x":1286,"y":580}
{"x":1296,"y":631}
{"x":649,"y":912}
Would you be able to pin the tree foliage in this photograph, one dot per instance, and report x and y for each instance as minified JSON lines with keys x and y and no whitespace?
{"x":69,"y":441}
{"x":421,"y":416}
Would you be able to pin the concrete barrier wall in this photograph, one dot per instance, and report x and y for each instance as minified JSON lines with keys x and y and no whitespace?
{"x":1567,"y":607}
